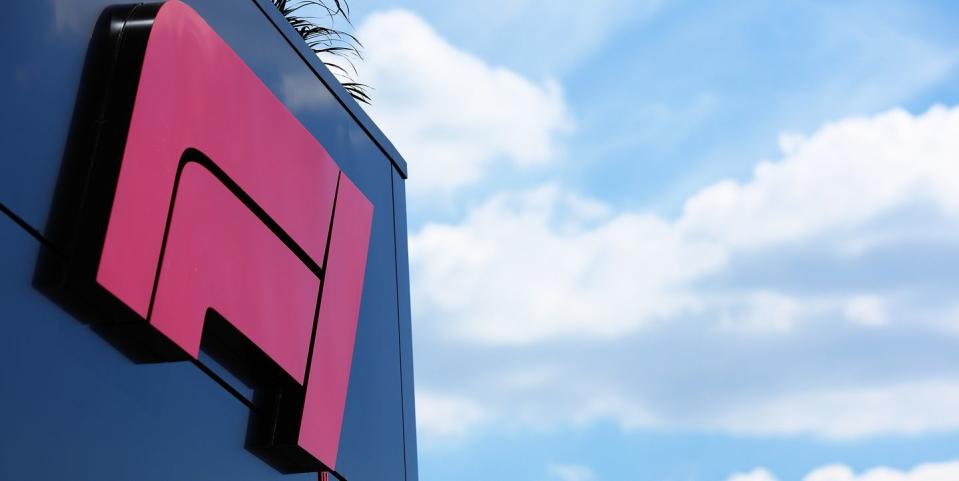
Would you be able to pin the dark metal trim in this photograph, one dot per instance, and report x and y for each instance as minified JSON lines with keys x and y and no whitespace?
{"x":328,"y":79}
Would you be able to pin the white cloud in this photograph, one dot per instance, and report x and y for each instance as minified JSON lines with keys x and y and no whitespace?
{"x":548,"y":44}
{"x":946,"y":471}
{"x":451,"y":114}
{"x":758,"y":474}
{"x":571,"y":472}
{"x":833,"y":413}
{"x":866,"y":310}
{"x":442,"y":416}
{"x":527,"y":266}
{"x":945,"y":319}
{"x":846,"y":413}
{"x":762,"y":311}
{"x":645,"y":314}
{"x":844,"y":175}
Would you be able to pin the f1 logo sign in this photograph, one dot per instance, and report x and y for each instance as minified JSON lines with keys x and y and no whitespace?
{"x":210,"y":215}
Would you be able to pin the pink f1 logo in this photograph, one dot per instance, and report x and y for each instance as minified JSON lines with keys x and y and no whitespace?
{"x":227,"y":209}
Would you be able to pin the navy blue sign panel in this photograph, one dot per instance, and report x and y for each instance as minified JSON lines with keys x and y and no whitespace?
{"x":76,"y":404}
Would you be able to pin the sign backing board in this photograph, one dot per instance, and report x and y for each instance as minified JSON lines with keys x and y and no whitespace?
{"x":197,"y":215}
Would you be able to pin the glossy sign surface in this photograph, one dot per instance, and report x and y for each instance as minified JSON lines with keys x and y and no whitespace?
{"x":71,"y":386}
{"x":195,"y":92}
{"x":219,"y":255}
{"x":224,"y":202}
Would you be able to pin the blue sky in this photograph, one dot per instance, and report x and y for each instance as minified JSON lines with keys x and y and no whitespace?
{"x":678,"y":241}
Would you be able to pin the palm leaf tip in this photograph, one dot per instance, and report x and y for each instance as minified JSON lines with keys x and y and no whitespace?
{"x":328,"y":41}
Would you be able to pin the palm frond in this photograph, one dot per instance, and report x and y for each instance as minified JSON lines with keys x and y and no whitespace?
{"x":328,"y":42}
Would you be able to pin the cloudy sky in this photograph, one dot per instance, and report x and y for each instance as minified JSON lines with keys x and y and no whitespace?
{"x":678,"y":241}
